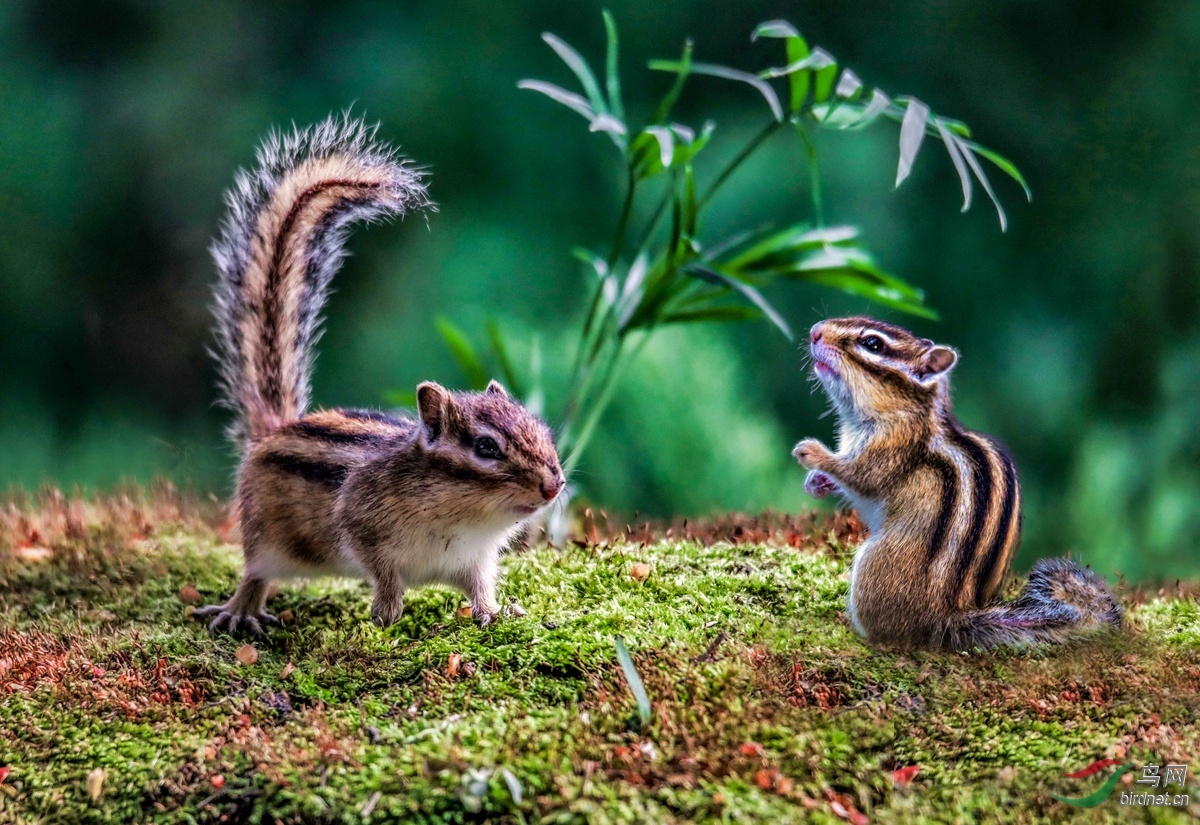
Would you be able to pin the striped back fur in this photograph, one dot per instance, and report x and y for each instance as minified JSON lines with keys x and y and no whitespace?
{"x":281,"y":243}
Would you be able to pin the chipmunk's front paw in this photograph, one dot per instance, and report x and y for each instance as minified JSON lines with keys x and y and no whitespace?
{"x":232,"y":622}
{"x":385,"y":612}
{"x":818,"y":485}
{"x":515,"y":610}
{"x":810,"y":452}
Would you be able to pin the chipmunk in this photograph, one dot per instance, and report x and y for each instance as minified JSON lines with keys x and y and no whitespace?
{"x":942,"y":504}
{"x":399,"y":501}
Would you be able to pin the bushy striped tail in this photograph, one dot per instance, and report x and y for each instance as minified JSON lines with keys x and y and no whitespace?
{"x":1061,"y":601}
{"x":282,"y":241}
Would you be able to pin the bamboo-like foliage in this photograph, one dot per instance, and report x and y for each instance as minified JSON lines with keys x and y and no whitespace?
{"x":662,"y":269}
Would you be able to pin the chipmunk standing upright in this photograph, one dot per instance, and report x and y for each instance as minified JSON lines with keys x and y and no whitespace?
{"x":349,"y":492}
{"x":942,"y":504}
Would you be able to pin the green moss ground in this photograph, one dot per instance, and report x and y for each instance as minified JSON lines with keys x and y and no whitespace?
{"x":765,"y":706}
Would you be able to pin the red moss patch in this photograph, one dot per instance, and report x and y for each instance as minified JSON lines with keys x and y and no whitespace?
{"x":52,"y":525}
{"x":811,"y":530}
{"x":37,"y":660}
{"x":825,"y":687}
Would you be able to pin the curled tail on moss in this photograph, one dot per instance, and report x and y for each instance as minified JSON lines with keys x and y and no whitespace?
{"x":281,"y":243}
{"x":1061,"y":601}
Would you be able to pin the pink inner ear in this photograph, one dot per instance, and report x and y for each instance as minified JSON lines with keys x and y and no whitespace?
{"x":938,"y":360}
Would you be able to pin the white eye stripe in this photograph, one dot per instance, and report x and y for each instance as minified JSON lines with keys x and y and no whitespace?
{"x":883,"y":336}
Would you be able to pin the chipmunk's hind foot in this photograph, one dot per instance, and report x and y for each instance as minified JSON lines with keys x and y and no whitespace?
{"x":244,"y":612}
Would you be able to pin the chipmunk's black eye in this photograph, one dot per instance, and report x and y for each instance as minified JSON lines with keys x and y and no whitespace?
{"x":872,"y":343}
{"x":486,"y":447}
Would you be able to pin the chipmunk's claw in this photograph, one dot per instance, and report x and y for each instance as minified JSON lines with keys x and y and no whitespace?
{"x":232,"y":622}
{"x":819,"y":485}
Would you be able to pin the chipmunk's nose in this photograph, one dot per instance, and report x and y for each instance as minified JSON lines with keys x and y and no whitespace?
{"x":815,"y":334}
{"x":552,"y":486}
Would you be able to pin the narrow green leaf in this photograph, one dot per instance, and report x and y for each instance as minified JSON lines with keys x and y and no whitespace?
{"x":851,"y":269}
{"x":823,"y":79}
{"x":644,"y":156}
{"x":818,"y":60}
{"x":715,"y":314}
{"x":514,"y":785}
{"x":912,"y":133}
{"x":500,"y":350}
{"x":798,"y":82}
{"x":797,"y":53}
{"x":690,"y":209}
{"x":774,"y":28}
{"x":607,"y":123}
{"x":581,"y":69}
{"x":666,"y":143}
{"x":960,"y":166}
{"x":693,"y":146}
{"x":610,"y":291}
{"x":591,"y":259}
{"x":848,"y":84}
{"x":682,"y":68}
{"x":879,"y":102}
{"x":558,"y":94}
{"x":713,"y":276}
{"x":852,"y":282}
{"x":854,"y":261}
{"x":981,"y":176}
{"x":957,"y":127}
{"x":634,"y":681}
{"x":713,"y":70}
{"x":794,"y":239}
{"x":632,"y":290}
{"x":460,"y":347}
{"x":612,"y":69}
{"x":1005,"y":165}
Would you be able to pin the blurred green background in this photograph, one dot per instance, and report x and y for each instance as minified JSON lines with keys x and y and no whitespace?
{"x":122,"y":123}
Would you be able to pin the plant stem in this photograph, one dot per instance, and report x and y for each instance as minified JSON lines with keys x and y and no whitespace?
{"x":659,"y":210}
{"x":577,"y":371}
{"x":608,"y":383}
{"x":623,"y":223}
{"x":814,"y":175}
{"x":746,"y":152}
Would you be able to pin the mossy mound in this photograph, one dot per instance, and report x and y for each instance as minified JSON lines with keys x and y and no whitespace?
{"x":115,"y":707}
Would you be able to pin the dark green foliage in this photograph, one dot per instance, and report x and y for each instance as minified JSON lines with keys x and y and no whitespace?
{"x":662,"y":269}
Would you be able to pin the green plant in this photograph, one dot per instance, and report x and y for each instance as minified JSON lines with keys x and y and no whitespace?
{"x":662,"y":269}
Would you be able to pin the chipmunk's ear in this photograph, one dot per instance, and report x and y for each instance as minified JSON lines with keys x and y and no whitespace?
{"x":436,"y":407}
{"x":494,"y":388}
{"x":935,"y":364}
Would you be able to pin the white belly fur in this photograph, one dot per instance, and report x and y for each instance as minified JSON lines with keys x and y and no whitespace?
{"x":440,"y":556}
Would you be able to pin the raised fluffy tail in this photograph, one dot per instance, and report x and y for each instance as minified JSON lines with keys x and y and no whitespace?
{"x":281,"y":243}
{"x":1060,"y":601}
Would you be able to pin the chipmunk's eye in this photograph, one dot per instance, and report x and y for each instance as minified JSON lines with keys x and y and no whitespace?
{"x":872,"y":343}
{"x":486,"y":447}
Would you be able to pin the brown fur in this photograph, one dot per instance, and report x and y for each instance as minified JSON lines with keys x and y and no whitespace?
{"x":400,"y":501}
{"x":942,"y":503}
